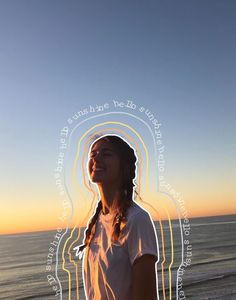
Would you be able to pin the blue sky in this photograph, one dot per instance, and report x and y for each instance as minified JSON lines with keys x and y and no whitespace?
{"x":176,"y":57}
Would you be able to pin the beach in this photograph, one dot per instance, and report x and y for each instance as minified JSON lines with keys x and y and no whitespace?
{"x":26,"y":272}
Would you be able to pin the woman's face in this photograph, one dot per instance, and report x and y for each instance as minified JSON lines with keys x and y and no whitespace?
{"x":104,"y":164}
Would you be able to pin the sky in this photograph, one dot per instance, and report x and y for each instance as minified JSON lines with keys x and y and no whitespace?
{"x":175,"y":58}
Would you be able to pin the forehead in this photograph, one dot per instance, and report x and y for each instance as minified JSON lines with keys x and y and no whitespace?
{"x":102,"y":144}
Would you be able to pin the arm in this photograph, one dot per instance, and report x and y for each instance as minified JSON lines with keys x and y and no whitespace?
{"x":144,"y":278}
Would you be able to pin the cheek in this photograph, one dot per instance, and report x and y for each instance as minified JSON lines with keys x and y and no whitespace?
{"x":90,"y":166}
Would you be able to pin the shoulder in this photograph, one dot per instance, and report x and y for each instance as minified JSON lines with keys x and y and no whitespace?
{"x":136,"y":211}
{"x":137,"y":214}
{"x":139,"y":233}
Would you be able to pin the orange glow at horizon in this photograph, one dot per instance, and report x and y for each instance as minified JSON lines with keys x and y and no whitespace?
{"x":44,"y":218}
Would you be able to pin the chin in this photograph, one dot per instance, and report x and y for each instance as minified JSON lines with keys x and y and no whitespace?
{"x":96,"y":180}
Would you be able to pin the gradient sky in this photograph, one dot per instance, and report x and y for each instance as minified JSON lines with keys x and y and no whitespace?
{"x":177,"y":58}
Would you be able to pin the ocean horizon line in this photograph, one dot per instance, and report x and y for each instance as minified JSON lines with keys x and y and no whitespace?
{"x":64,"y":228}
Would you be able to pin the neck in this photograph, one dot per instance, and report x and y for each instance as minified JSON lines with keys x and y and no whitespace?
{"x":110,"y":197}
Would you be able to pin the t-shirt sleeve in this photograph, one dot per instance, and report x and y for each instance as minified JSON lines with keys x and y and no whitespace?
{"x":141,"y":237}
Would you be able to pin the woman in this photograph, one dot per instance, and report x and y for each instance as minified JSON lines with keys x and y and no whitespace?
{"x":120,"y":242}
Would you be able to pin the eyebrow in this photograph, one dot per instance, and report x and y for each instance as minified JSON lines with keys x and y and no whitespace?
{"x":103,"y":149}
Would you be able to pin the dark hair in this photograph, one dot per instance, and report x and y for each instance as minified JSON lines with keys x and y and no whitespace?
{"x":128,"y":166}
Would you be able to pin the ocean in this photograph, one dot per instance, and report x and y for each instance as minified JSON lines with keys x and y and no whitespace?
{"x":27,"y":263}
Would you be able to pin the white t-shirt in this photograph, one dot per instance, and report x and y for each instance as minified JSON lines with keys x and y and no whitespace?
{"x":107,"y":266}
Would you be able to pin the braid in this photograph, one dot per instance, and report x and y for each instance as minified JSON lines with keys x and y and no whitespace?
{"x":121,"y":216}
{"x":89,"y":232}
{"x":128,"y":191}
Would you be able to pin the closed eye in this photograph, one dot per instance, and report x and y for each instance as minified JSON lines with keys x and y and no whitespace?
{"x":105,"y":152}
